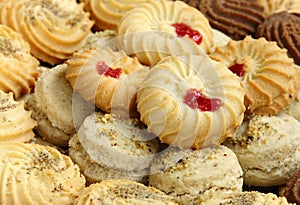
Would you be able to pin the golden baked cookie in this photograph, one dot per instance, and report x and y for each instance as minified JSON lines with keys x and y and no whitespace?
{"x":54,"y":29}
{"x":16,"y":123}
{"x":247,"y":198}
{"x":269,"y":77}
{"x":276,"y":6}
{"x":191,"y":101}
{"x":156,"y":29}
{"x":107,"y":14}
{"x":18,"y":69}
{"x":35,"y":174}
{"x":123,"y":192}
{"x":119,"y":144}
{"x":52,"y":106}
{"x":97,"y":73}
{"x":95,"y":172}
{"x":190,"y":176}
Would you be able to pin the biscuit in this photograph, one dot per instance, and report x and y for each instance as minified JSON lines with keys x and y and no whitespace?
{"x":35,"y":174}
{"x":16,"y":123}
{"x":18,"y":68}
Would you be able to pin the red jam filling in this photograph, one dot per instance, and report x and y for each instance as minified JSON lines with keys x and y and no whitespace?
{"x":183,"y":29}
{"x":104,"y":69}
{"x":196,"y":100}
{"x":238,"y":69}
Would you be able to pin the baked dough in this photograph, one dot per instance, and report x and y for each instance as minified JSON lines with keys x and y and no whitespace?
{"x":18,"y":68}
{"x":125,"y":192}
{"x":35,"y":174}
{"x":157,"y":29}
{"x":16,"y":123}
{"x":54,"y":29}
{"x":168,"y":106}
{"x":269,"y":77}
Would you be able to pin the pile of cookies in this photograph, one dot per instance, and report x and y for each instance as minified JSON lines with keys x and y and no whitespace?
{"x":149,"y":102}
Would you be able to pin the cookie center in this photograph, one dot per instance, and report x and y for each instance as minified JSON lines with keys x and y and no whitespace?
{"x":195,"y":99}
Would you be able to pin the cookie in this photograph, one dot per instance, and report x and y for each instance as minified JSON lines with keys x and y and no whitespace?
{"x":35,"y":174}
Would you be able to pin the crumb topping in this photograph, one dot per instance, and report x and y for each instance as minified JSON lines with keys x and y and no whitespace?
{"x":127,"y":191}
{"x":7,"y":103}
{"x":7,"y":48}
{"x":256,"y":129}
{"x":43,"y":160}
{"x":128,"y":135}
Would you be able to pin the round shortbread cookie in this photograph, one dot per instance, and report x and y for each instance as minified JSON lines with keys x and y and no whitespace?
{"x":51,"y":105}
{"x":247,"y":198}
{"x":191,"y":176}
{"x":268,"y":149}
{"x":93,"y":171}
{"x":120,"y":144}
{"x":115,"y":192}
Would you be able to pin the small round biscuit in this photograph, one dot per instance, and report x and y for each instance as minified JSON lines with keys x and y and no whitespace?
{"x":35,"y":174}
{"x":191,"y":176}
{"x":247,"y":198}
{"x":268,"y":149}
{"x":93,"y":171}
{"x":51,"y":105}
{"x":118,"y":143}
{"x":125,"y":192}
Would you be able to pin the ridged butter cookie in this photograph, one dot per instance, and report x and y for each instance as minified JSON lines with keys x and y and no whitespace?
{"x":191,"y":101}
{"x":16,"y":123}
{"x":54,"y":29}
{"x":157,"y":29}
{"x":35,"y":174}
{"x":18,"y":68}
{"x":269,"y":77}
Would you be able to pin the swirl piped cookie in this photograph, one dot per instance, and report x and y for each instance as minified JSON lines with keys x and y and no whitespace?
{"x":236,"y":18}
{"x":269,"y":77}
{"x":157,"y":29}
{"x":35,"y":174}
{"x":97,"y":73}
{"x":192,"y":101}
{"x":54,"y":29}
{"x":18,"y":68}
{"x":16,"y":123}
{"x":283,"y":28}
{"x":276,"y":6}
{"x":107,"y":14}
